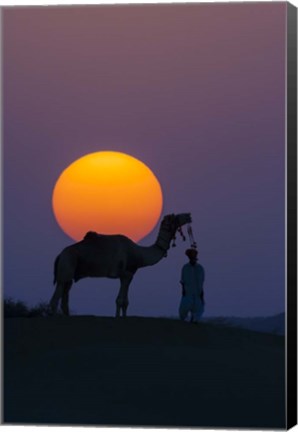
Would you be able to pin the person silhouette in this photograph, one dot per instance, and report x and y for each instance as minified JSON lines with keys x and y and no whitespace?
{"x":192,"y":281}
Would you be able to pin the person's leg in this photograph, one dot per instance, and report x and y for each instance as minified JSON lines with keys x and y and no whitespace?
{"x":183,"y":308}
{"x":198,"y":310}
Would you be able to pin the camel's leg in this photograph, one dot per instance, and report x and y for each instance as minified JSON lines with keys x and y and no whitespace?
{"x":122,"y":298}
{"x":65,"y":297}
{"x":56,"y":297}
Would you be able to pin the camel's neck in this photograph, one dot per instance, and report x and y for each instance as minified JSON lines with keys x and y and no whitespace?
{"x":153,"y":254}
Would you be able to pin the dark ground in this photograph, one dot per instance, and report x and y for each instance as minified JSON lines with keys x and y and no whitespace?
{"x":141,"y":371}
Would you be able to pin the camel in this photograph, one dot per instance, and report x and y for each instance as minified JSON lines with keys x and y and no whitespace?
{"x":112,"y":256}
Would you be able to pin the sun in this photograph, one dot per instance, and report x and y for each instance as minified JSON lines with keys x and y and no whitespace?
{"x":107,"y":192}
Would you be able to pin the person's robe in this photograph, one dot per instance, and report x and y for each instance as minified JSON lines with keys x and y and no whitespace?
{"x":192,"y":278}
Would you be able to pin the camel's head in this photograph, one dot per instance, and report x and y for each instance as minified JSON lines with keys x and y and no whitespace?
{"x":172,"y":222}
{"x":169,"y":226}
{"x":182,"y":219}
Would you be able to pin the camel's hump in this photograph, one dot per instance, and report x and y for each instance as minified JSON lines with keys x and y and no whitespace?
{"x":91,"y":235}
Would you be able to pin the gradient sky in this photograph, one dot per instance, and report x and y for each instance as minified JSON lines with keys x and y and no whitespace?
{"x":196,"y":92}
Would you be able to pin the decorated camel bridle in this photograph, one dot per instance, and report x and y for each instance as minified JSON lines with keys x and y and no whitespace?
{"x":170,"y":225}
{"x":193,"y":243}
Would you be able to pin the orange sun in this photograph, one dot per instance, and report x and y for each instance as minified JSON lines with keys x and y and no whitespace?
{"x":107,"y":192}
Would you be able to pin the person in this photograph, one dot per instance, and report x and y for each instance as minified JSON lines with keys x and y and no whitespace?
{"x":192,"y":281}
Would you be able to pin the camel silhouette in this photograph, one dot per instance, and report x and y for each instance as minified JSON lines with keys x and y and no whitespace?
{"x":112,"y":256}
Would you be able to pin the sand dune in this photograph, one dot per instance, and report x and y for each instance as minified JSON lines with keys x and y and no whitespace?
{"x":274,"y":324}
{"x":141,"y":371}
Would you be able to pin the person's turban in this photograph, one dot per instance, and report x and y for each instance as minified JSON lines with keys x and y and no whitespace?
{"x":191,"y":253}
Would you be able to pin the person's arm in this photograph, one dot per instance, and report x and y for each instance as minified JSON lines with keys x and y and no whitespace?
{"x":203,"y":280}
{"x":202,"y":297}
{"x":182,"y":282}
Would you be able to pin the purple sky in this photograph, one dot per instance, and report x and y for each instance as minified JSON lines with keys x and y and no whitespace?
{"x":197,"y":93}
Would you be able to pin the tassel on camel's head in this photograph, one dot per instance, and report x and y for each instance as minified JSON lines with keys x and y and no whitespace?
{"x":193,"y":243}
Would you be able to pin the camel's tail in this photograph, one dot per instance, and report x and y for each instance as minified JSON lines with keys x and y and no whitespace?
{"x":55,"y":268}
